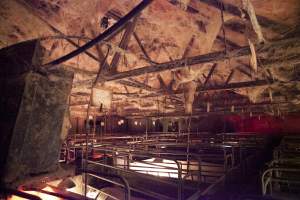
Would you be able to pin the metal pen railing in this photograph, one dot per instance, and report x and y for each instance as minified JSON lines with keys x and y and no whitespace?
{"x":285,"y":166}
{"x":208,"y":152}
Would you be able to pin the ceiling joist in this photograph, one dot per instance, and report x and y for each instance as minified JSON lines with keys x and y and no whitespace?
{"x":279,"y":45}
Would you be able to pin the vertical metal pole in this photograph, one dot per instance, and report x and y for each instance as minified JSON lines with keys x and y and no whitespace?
{"x":77,"y":126}
{"x":188,"y":145}
{"x":111,"y":123}
{"x":86,"y":156}
{"x":93,"y":135}
{"x":146,"y":128}
{"x":77,"y":129}
{"x":146,"y":119}
{"x":179,"y":192}
{"x":101,"y":130}
{"x":105,"y":124}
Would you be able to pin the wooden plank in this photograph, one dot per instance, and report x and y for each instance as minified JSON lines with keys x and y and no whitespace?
{"x":136,"y":84}
{"x":123,"y":45}
{"x":143,"y":85}
{"x":243,"y":71}
{"x":117,"y":16}
{"x":231,"y":44}
{"x":229,"y":77}
{"x":230,"y":86}
{"x":210,"y":74}
{"x":189,"y":47}
{"x":136,"y":37}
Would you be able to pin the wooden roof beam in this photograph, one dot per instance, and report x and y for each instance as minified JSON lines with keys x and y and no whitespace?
{"x":123,"y":45}
{"x":228,"y":42}
{"x":136,"y":84}
{"x":210,"y":73}
{"x":229,"y":77}
{"x":117,"y":16}
{"x":230,"y":86}
{"x":244,"y":71}
{"x":208,"y":58}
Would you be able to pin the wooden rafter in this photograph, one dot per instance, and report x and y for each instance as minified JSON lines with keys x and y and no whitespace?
{"x":210,"y":73}
{"x":228,"y":42}
{"x":136,"y":37}
{"x":123,"y":45}
{"x":244,"y":71}
{"x":162,"y":83}
{"x":255,"y":109}
{"x":230,"y":86}
{"x":117,"y":16}
{"x":229,"y":77}
{"x":210,"y":57}
{"x":136,"y":84}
